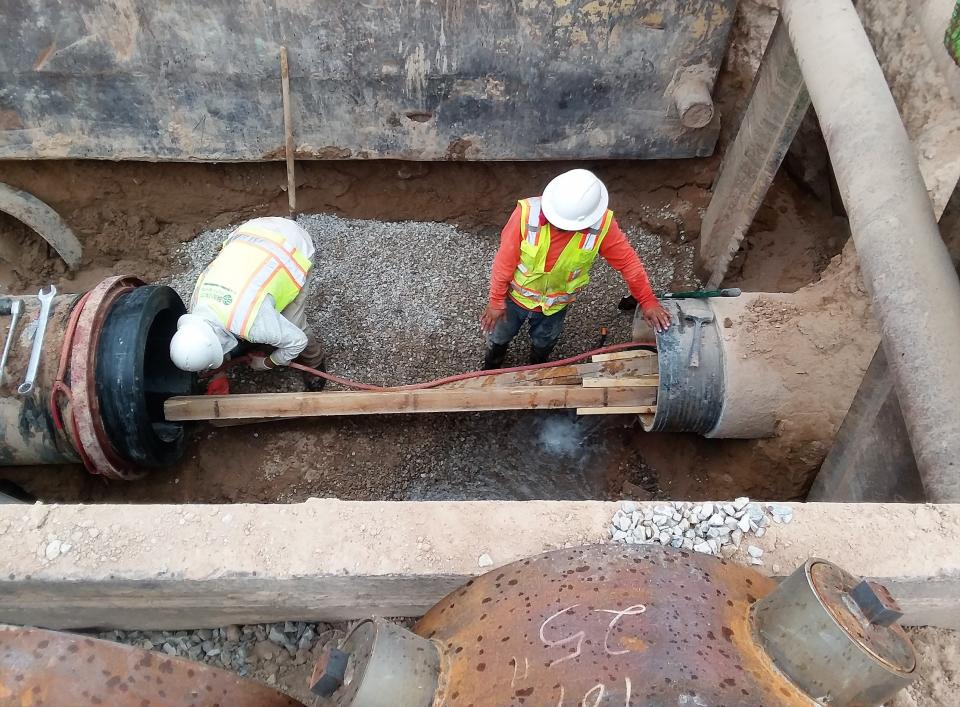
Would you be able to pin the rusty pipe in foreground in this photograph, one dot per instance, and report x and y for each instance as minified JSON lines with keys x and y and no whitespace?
{"x":642,"y":625}
{"x":40,"y":667}
{"x":904,"y":262}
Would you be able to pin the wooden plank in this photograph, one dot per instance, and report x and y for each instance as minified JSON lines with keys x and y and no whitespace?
{"x":288,"y":130}
{"x":558,"y":375}
{"x":620,"y":355}
{"x":270,"y":405}
{"x":627,"y":367}
{"x":295,"y":574}
{"x":519,"y":378}
{"x":619,"y":410}
{"x":623,"y":382}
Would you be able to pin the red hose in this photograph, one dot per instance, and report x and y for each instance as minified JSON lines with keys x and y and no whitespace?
{"x":472,"y":374}
{"x":60,"y":387}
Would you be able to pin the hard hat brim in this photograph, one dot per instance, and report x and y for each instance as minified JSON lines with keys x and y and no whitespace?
{"x":548,"y":204}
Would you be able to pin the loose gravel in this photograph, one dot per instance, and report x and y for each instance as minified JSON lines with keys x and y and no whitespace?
{"x":386,"y":292}
{"x":281,"y":654}
{"x":712,"y":528}
{"x":400,"y":303}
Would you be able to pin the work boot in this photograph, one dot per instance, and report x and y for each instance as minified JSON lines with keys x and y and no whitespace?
{"x":496,"y":354}
{"x":539,"y":355}
{"x":312,"y":383}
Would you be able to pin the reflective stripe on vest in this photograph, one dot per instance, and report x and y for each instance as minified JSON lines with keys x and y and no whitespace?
{"x":251,"y":296}
{"x":548,"y":300}
{"x":533,"y":221}
{"x":551,"y":290}
{"x":278,"y":252}
{"x":248,"y":268}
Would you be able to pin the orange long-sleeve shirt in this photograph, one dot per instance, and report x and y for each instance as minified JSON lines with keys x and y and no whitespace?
{"x":615,"y":249}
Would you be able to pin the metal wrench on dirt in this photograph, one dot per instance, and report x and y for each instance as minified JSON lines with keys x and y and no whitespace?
{"x":46,"y":298}
{"x":16,"y":309}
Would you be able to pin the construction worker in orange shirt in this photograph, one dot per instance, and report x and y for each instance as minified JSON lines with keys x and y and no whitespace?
{"x":546,"y":251}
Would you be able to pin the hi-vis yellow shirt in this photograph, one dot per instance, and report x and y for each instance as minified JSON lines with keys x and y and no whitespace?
{"x":532,"y":284}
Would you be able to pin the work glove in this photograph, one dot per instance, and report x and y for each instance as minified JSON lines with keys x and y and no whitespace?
{"x":259,"y":362}
{"x":218,"y":385}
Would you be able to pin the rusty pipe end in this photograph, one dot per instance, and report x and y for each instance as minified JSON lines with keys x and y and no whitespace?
{"x":378,"y":664}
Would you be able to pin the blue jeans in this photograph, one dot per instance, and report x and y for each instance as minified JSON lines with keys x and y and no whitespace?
{"x":544,"y":329}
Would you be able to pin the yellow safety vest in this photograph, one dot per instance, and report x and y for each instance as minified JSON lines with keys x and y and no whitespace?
{"x":254,"y":262}
{"x":533,"y":286}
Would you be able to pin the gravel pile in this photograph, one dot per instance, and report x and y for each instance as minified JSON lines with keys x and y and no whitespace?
{"x":271,"y":653}
{"x":401,"y":302}
{"x":711,"y":528}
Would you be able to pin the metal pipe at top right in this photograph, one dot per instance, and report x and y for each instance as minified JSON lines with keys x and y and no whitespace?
{"x":904,"y":262}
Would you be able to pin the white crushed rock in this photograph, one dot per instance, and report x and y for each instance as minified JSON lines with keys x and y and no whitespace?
{"x":712,"y":528}
{"x":382,"y":289}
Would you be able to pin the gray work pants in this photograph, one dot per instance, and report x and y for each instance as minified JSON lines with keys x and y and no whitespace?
{"x":296,"y":314}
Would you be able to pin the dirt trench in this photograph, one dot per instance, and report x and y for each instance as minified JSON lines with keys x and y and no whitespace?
{"x":141,"y":218}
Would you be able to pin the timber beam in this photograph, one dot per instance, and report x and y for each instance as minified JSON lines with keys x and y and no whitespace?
{"x":190,"y":566}
{"x":288,"y":405}
{"x":777,"y":105}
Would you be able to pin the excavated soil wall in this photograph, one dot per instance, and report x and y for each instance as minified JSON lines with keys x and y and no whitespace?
{"x":157,"y":221}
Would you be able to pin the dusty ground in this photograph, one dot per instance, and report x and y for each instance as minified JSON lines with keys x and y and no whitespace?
{"x":426,"y":329}
{"x":938,"y":665}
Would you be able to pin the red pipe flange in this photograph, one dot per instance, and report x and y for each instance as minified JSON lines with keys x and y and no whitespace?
{"x":94,"y":446}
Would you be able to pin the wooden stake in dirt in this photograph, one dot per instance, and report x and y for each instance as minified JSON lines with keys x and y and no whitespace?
{"x":288,"y":130}
{"x":287,"y":405}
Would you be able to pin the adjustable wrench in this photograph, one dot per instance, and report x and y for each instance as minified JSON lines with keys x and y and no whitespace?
{"x":16,"y":308}
{"x":46,"y":298}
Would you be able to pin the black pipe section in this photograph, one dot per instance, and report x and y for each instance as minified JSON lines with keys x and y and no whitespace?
{"x":135,"y":376}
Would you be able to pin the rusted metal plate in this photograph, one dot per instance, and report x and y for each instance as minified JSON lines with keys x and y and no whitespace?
{"x":427,"y":80}
{"x":99,"y":455}
{"x":606,"y":625}
{"x":46,"y":668}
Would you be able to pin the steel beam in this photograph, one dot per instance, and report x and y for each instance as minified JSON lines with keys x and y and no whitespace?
{"x":778,"y":102}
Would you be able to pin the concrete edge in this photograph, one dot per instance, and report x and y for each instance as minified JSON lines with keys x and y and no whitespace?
{"x":185,"y":566}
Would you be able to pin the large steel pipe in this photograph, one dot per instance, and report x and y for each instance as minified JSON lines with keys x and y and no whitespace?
{"x":754,"y":366}
{"x":103,"y":376}
{"x":905,"y":265}
{"x":644,"y":625}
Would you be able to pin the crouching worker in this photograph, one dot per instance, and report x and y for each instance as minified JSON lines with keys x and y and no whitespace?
{"x":255,"y":290}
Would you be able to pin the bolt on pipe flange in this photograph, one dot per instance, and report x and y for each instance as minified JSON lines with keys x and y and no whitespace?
{"x":834,"y":636}
{"x":379,"y":664}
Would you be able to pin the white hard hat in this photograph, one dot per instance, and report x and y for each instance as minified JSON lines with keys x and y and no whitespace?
{"x":574,"y":200}
{"x":195,"y":347}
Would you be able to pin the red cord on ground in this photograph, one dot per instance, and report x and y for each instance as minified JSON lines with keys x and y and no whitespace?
{"x":472,"y":374}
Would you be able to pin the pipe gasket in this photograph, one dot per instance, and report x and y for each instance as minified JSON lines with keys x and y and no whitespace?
{"x":691,"y":389}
